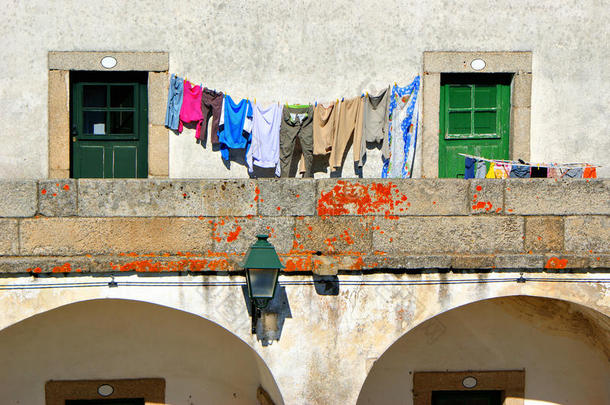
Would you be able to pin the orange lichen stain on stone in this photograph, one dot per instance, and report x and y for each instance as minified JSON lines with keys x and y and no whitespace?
{"x":379,"y":253}
{"x":498,"y":209}
{"x":66,"y":187}
{"x":64,"y":268}
{"x":257,"y":191}
{"x":346,"y":197}
{"x":201,"y":218}
{"x":34,"y":270}
{"x":433,"y":202}
{"x":598,"y":258}
{"x":278,"y":208}
{"x":358,"y":264}
{"x":54,"y":194}
{"x":479,"y":188}
{"x":509,"y":210}
{"x":556,"y":263}
{"x":234,"y":234}
{"x":297,"y":196}
{"x":299,"y":264}
{"x":88,"y":255}
{"x":43,"y":191}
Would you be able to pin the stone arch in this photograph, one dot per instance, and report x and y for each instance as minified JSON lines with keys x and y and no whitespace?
{"x":98,"y":339}
{"x":559,"y":343}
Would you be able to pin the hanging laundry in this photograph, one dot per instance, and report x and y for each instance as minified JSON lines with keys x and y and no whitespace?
{"x":296,"y":123}
{"x":375,"y":123}
{"x":520,"y":172}
{"x":553,"y":172}
{"x":174,"y":102}
{"x":481,"y":169}
{"x":589,"y":173}
{"x":235,"y":126}
{"x":491,"y":173}
{"x":502,"y":170}
{"x":191,"y":107}
{"x":211,"y":106}
{"x":469,"y":165}
{"x":324,"y":123}
{"x":349,"y":122}
{"x":265,"y":148}
{"x":538,"y":172}
{"x":403,"y":115}
{"x":575,"y":173}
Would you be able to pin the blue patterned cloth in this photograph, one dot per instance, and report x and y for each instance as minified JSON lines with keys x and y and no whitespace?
{"x":402,"y":131}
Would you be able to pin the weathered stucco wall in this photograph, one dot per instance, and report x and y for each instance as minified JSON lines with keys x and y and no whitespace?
{"x":320,"y":341}
{"x":553,"y":341}
{"x":299,"y":52}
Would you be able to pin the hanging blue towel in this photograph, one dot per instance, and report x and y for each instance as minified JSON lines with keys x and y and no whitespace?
{"x":469,"y":169}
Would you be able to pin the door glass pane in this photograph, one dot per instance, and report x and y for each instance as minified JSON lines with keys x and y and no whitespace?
{"x":94,"y":96}
{"x":459,"y":123}
{"x":121,"y":96}
{"x":121,"y":122}
{"x":94,"y":122}
{"x":485,"y":122}
{"x":459,"y":97}
{"x":485,"y":96}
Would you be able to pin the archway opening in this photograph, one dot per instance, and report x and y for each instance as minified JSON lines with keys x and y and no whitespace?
{"x":200,"y":361}
{"x":562,"y":348}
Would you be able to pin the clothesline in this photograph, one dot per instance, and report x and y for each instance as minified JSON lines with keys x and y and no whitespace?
{"x":547,"y":165}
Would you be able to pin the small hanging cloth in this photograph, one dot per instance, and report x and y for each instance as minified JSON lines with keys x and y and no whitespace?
{"x":403,"y":115}
{"x":265,"y":148}
{"x":191,"y":107}
{"x":174,"y":102}
{"x":236,"y":126}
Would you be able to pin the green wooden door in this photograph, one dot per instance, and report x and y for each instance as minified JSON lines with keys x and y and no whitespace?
{"x":474,"y":119}
{"x":467,"y":398}
{"x":109,"y":124}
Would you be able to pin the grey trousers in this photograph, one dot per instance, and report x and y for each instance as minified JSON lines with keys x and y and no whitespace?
{"x":291,"y":129}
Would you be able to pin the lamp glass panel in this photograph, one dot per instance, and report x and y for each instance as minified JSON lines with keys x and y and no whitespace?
{"x":262,"y":282}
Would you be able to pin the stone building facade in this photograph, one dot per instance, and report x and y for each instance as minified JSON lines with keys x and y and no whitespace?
{"x":394,"y":290}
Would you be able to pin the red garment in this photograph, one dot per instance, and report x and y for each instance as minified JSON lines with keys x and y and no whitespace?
{"x":191,"y":107}
{"x":589,"y":173}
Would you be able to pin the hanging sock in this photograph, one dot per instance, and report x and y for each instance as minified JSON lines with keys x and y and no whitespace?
{"x":481,"y":169}
{"x":403,"y":115}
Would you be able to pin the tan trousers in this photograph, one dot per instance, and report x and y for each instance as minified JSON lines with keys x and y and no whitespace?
{"x":349,"y":123}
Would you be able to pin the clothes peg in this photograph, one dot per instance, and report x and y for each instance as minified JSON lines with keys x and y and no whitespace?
{"x":342,"y":98}
{"x":316,"y":104}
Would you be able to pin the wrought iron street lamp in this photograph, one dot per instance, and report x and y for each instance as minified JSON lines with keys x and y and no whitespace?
{"x":262,"y":265}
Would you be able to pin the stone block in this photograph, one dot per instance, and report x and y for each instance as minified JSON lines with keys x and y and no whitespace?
{"x":9,"y":237}
{"x":392,"y":198}
{"x":57,"y":198}
{"x":59,"y":173}
{"x":520,"y":126}
{"x":495,"y":62}
{"x":600,"y":261}
{"x":486,"y":196}
{"x":86,"y":60}
{"x":430,"y":124}
{"x":158,"y":83}
{"x":543,"y":234}
{"x":557,"y":197}
{"x":456,"y":235}
{"x":330,"y":235}
{"x":158,"y":151}
{"x":381,"y":260}
{"x":235,"y":197}
{"x":472,"y":262}
{"x":561,"y":261}
{"x":20,"y":199}
{"x":58,"y":123}
{"x":587,"y":234}
{"x":281,"y":197}
{"x":522,"y":90}
{"x":237,"y":234}
{"x":138,"y":198}
{"x":80,"y":236}
{"x":519,"y":261}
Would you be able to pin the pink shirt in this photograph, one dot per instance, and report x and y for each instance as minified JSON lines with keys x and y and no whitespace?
{"x":191,"y":107}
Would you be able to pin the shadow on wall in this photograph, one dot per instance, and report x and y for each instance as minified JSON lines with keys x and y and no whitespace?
{"x":117,"y":339}
{"x":564,"y":349}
